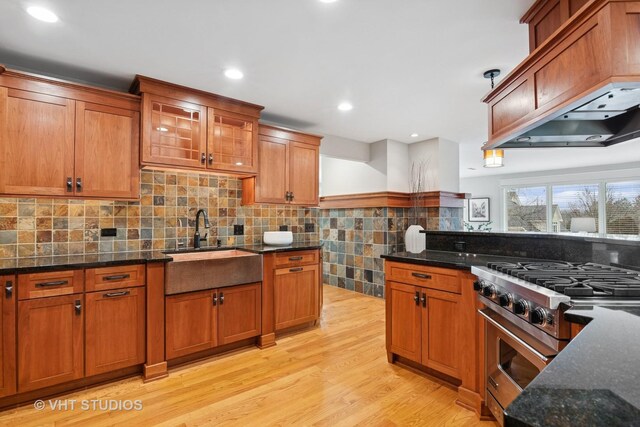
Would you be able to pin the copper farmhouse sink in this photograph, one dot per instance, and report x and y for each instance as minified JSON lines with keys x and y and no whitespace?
{"x":195,"y":271}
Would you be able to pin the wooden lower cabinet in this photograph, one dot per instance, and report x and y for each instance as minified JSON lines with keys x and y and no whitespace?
{"x":191,"y":323}
{"x":8,"y":337}
{"x":424,"y":326}
{"x":202,"y":320}
{"x":115,"y":330}
{"x":238,"y":313}
{"x":50,"y":341}
{"x":295,"y":292}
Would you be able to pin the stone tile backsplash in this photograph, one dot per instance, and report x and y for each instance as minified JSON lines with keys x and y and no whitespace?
{"x":164,"y":215}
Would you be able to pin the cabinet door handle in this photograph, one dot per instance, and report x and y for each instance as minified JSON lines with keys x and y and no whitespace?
{"x":79,"y":185}
{"x":221,"y":298}
{"x":295,"y":258}
{"x":424,"y":300}
{"x":286,"y":196}
{"x":69,"y":184}
{"x":117,"y":277}
{"x":116,"y":294}
{"x":416,"y":298}
{"x":203,"y":158}
{"x":293,"y":270}
{"x":56,"y":283}
{"x":291,"y":197}
{"x":215,"y":299}
{"x":78,"y":306}
{"x":210,"y":159}
{"x":421,"y":275}
{"x":8,"y":288}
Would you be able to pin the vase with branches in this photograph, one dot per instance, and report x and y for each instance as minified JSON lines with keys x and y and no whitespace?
{"x":415,"y":241}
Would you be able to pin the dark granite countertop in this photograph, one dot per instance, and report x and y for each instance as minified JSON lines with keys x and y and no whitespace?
{"x":43,"y":263}
{"x":48,"y":263}
{"x":594,"y":380}
{"x":459,"y":260}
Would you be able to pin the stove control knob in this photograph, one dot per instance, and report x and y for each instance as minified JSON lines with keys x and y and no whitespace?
{"x":489,"y":291}
{"x":539,"y":316}
{"x":520,"y":307}
{"x":477,"y":285}
{"x":505,"y":299}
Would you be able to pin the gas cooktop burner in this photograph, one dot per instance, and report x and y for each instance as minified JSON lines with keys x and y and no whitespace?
{"x":575,"y":279}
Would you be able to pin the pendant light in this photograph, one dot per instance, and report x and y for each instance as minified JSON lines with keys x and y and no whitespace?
{"x":493,"y":158}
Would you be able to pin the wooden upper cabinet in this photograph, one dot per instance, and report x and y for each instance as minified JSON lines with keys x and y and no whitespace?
{"x":173,"y":132}
{"x":107,"y":144}
{"x":192,"y":129}
{"x":63,"y":139}
{"x":304,"y":173}
{"x":288,"y":169}
{"x":232,"y":142}
{"x":36,"y":143}
{"x":7,"y":335}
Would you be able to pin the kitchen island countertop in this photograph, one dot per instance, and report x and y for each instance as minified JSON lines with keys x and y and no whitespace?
{"x":594,"y":380}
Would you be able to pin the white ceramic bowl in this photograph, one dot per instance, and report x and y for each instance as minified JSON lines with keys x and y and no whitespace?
{"x":277,"y":238}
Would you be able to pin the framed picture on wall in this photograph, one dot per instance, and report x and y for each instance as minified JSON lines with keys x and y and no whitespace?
{"x":479,"y":210}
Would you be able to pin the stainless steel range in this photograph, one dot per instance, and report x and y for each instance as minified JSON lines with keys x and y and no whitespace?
{"x":525,"y":304}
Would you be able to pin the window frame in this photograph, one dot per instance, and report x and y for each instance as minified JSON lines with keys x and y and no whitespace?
{"x":602,"y":201}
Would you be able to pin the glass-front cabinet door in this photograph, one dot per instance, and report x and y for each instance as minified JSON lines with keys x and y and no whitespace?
{"x":231,"y":141}
{"x":174,"y":132}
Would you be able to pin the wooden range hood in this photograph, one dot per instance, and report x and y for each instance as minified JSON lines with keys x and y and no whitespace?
{"x":580,"y":86}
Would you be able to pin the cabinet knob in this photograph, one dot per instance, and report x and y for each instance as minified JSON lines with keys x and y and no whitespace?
{"x":79,"y":185}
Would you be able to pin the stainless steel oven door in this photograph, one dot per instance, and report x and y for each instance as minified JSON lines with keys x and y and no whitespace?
{"x":513,"y":359}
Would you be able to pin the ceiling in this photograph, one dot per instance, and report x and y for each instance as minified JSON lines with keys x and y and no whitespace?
{"x":410,"y":68}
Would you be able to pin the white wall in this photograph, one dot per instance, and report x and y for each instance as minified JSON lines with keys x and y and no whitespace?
{"x":442,"y":158}
{"x":491,"y":186}
{"x":343,"y":148}
{"x":349,"y":177}
{"x":397,"y":166}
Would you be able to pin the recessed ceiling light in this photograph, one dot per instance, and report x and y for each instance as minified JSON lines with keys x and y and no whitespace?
{"x":345,"y":106}
{"x":42,"y":14}
{"x":414,"y":135}
{"x":233,"y":73}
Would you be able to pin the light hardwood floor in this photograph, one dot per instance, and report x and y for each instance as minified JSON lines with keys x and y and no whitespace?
{"x":333,"y":375}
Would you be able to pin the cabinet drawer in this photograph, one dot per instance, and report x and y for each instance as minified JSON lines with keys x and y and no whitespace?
{"x":288,"y":259}
{"x":428,"y":277}
{"x":54,"y":283}
{"x":101,"y":279}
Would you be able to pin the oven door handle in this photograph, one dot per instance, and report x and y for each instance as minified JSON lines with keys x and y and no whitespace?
{"x":514,"y":337}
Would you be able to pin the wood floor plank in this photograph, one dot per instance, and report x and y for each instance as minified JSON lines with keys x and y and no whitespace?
{"x":334,"y":374}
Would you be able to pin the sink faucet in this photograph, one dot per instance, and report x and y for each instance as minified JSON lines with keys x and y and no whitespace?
{"x":196,"y":237}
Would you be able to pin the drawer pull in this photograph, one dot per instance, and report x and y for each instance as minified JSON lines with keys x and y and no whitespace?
{"x":56,"y":283}
{"x":116,"y":294}
{"x":421,"y":275}
{"x":295,"y":258}
{"x":293,"y":270}
{"x":117,"y":277}
{"x":493,"y":382}
{"x":8,"y":288}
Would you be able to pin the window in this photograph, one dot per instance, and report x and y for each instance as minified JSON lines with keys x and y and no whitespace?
{"x":578,"y":202}
{"x":623,"y":208}
{"x":526,"y":208}
{"x":599,"y":207}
